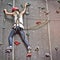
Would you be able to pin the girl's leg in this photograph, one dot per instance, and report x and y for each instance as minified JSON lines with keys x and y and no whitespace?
{"x":24,"y":38}
{"x":10,"y":38}
{"x":26,"y":42}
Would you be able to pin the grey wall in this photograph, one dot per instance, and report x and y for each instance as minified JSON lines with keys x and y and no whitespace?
{"x":37,"y":37}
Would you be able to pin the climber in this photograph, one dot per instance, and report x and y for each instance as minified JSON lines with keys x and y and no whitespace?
{"x":18,"y":27}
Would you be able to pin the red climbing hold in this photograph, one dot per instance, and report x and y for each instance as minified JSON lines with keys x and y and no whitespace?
{"x":38,"y":22}
{"x":17,"y":43}
{"x":28,"y":55}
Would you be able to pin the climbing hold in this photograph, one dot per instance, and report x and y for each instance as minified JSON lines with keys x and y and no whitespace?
{"x":57,"y":12}
{"x":29,"y":4}
{"x":17,"y":43}
{"x":10,"y":4}
{"x":27,"y":13}
{"x":37,"y":48}
{"x":21,"y":6}
{"x":43,"y":8}
{"x":47,"y":54}
{"x":46,"y":13}
{"x":58,"y":1}
{"x":56,"y":48}
{"x":27,"y":34}
{"x":28,"y":55}
{"x":38,"y":22}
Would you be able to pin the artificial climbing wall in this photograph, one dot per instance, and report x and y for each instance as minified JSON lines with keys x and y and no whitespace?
{"x":45,"y":36}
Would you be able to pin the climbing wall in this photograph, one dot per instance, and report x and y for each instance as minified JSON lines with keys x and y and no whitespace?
{"x":43,"y":36}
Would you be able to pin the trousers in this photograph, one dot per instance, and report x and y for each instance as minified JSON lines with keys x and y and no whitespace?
{"x":21,"y":33}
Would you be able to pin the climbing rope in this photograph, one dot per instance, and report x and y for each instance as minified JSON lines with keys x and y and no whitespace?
{"x":37,"y":26}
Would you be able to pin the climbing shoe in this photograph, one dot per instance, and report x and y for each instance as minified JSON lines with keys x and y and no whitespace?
{"x":29,"y":53}
{"x":8,"y":49}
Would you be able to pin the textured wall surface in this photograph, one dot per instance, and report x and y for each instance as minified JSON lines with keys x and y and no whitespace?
{"x":39,"y":37}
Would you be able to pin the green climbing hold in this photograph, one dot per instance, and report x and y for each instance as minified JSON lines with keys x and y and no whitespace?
{"x":43,"y":8}
{"x":27,"y":34}
{"x":58,"y":1}
{"x":21,"y":6}
{"x":10,"y":4}
{"x":29,"y":4}
{"x":27,"y":13}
